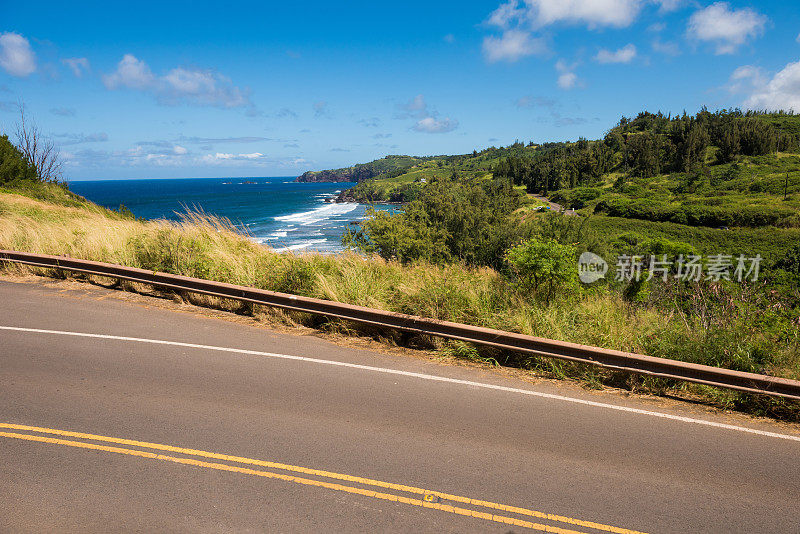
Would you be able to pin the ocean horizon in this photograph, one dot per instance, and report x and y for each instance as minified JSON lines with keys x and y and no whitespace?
{"x":273,"y":211}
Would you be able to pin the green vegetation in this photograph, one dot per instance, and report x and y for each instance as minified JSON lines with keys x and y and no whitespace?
{"x":404,"y":184}
{"x":543,"y":267}
{"x":451,"y":220}
{"x":719,"y":169}
{"x":387,"y":167}
{"x":13,"y":165}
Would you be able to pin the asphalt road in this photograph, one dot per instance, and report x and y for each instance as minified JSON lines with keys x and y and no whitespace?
{"x":170,"y":421}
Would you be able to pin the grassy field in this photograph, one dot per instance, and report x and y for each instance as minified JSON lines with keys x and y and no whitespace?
{"x":49,"y":219}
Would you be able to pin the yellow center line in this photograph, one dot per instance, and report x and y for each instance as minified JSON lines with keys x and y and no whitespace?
{"x":314,"y":472}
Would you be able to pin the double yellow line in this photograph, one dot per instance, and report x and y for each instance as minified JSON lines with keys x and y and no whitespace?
{"x":420,"y":497}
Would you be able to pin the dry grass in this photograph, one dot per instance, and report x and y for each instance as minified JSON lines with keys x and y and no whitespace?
{"x":209,"y":247}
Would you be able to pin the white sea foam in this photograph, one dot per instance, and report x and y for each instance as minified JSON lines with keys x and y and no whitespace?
{"x":300,"y":246}
{"x":327,"y":211}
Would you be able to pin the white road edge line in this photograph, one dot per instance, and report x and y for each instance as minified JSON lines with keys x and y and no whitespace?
{"x":416,"y":375}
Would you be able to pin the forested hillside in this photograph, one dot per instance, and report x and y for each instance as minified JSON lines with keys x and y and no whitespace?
{"x":723,"y":169}
{"x":714,"y":169}
{"x":390,"y":165}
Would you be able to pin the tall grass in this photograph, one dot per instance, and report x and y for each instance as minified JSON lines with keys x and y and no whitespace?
{"x":204,"y":246}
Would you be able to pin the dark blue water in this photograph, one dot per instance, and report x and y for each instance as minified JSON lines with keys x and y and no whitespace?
{"x":278,"y":212}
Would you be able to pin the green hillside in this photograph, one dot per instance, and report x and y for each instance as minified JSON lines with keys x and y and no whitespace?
{"x":388,"y":166}
{"x":403,"y":185}
{"x":721,"y":169}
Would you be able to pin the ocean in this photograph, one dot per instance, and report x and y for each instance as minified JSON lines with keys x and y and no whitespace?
{"x":274,"y":211}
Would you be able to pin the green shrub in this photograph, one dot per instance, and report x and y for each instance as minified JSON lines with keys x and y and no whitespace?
{"x":790,"y":262}
{"x":697,"y":214}
{"x":544,"y":267}
{"x":452,"y":220}
{"x":406,"y":193}
{"x":12,"y":163}
{"x":576,"y":198}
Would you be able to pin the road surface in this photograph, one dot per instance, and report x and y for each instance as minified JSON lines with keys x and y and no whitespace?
{"x":117,"y":416}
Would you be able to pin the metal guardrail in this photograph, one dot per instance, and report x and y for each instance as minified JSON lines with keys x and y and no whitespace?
{"x":612,"y":359}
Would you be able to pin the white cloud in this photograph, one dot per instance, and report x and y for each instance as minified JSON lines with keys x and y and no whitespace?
{"x":567,"y":79}
{"x":166,"y":154}
{"x":146,"y":154}
{"x":449,"y":38}
{"x":512,"y":45}
{"x":416,"y":107}
{"x":131,"y":73}
{"x":157,"y":148}
{"x":78,"y":65}
{"x":196,"y":86}
{"x":668,"y":48}
{"x":505,"y":15}
{"x":203,"y":87}
{"x":665,"y":6}
{"x":214,"y":140}
{"x":727,"y":29}
{"x":746,"y":77}
{"x":427,"y":120}
{"x":65,"y":139}
{"x":592,"y":13}
{"x":16,"y":56}
{"x":518,"y":21}
{"x":434,"y":125}
{"x":223,"y":158}
{"x":626,"y":54}
{"x":782,"y":91}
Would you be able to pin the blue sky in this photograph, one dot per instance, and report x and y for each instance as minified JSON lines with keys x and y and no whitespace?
{"x":187,"y":89}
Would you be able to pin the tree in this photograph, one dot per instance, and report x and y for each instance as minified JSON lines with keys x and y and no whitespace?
{"x":39,"y":151}
{"x":13,"y":165}
{"x":542,"y":266}
{"x":643,"y":154}
{"x":451,"y":220}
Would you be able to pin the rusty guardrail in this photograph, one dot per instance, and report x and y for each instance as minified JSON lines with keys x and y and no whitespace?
{"x":613,"y":359}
